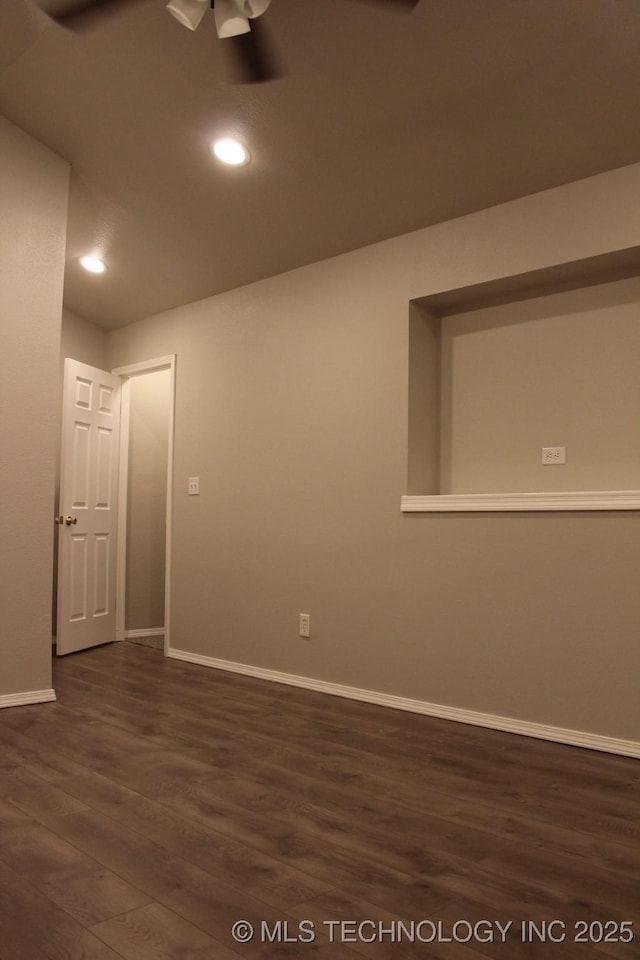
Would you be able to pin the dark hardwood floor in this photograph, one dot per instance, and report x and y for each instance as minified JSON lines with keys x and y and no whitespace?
{"x":156,"y":804}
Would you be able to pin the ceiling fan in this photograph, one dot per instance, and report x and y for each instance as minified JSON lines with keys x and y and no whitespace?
{"x":236,"y":23}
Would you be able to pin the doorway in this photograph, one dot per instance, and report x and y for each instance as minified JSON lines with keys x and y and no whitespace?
{"x":145,"y":481}
{"x":100,"y":592}
{"x":146,"y":506}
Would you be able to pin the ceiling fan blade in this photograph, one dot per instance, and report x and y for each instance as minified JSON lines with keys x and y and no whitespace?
{"x":79,"y":14}
{"x":399,"y":4}
{"x":254,"y":60}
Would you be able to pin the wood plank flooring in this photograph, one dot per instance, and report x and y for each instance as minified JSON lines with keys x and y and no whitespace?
{"x":156,"y":804}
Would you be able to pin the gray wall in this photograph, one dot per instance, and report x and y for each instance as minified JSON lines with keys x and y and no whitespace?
{"x":83,"y":341}
{"x":292,"y":409}
{"x":560,"y":370}
{"x":33,"y":201}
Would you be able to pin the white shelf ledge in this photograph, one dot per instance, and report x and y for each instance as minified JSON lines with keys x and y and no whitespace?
{"x":500,"y":502}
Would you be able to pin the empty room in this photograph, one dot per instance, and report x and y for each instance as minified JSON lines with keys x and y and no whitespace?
{"x":321,"y":476}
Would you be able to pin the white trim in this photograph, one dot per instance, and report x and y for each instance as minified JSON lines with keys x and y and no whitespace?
{"x":24,"y":699}
{"x":541,"y":731}
{"x":133,"y":370}
{"x":169,"y":508}
{"x":147,"y":632}
{"x":489,"y":502}
{"x":123,"y":486}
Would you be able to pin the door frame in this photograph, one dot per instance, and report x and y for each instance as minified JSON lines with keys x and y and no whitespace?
{"x":127,"y":373}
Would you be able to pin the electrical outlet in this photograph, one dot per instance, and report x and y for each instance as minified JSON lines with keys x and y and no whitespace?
{"x":305,"y":625}
{"x":194,"y":486}
{"x":551,"y":455}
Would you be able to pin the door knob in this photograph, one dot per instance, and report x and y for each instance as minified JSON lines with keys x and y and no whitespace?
{"x":70,"y":520}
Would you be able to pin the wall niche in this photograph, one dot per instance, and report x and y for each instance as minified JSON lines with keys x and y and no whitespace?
{"x":502,"y":369}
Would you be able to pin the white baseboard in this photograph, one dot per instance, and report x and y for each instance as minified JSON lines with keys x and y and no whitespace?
{"x":24,"y":699}
{"x":146,"y":632}
{"x":541,"y":731}
{"x":501,"y":502}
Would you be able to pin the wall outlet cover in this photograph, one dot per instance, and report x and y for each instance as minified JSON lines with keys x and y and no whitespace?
{"x":554,"y":455}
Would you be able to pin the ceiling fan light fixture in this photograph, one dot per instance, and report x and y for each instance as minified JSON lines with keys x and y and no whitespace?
{"x":231,"y":152}
{"x":188,"y":12}
{"x":92,"y":264}
{"x":230,"y":18}
{"x":254,"y":8}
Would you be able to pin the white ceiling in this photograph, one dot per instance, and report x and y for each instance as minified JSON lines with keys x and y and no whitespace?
{"x":385,"y":122}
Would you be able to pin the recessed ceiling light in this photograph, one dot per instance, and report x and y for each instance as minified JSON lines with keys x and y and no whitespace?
{"x":92,"y":264}
{"x":231,"y":152}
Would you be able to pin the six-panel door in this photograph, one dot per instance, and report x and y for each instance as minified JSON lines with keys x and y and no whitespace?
{"x":87,"y":514}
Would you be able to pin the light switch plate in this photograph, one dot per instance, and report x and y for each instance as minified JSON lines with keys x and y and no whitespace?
{"x":194,"y":486}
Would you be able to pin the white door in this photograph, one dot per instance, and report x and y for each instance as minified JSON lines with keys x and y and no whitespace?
{"x":87,"y":512}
